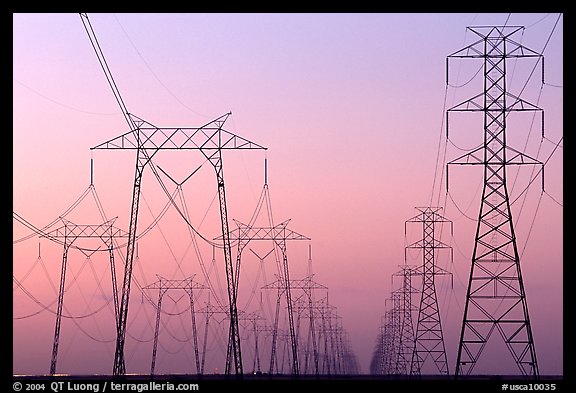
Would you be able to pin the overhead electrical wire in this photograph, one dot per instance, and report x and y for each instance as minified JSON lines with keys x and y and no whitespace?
{"x":108,"y":74}
{"x":60,"y":103}
{"x":21,"y":281}
{"x":47,"y":307}
{"x":554,"y":199}
{"x":153,"y":73}
{"x":539,"y":20}
{"x":41,"y":231}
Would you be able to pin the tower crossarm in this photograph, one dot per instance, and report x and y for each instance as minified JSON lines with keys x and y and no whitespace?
{"x":184,"y":284}
{"x":493,"y":35}
{"x":278,"y":232}
{"x":278,"y":284}
{"x":210,"y":309}
{"x":306,"y":284}
{"x":476,"y":157}
{"x":428,"y":214}
{"x":210,"y":136}
{"x":438,"y":271}
{"x":70,"y":229}
{"x":507,"y":101}
{"x":428,"y":244}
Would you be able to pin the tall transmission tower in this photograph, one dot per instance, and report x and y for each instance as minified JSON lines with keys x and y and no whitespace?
{"x":429,"y":339}
{"x":304,"y":306}
{"x":253,"y":320}
{"x":147,"y":139}
{"x":163,"y":285}
{"x":404,"y":327}
{"x":278,"y":234}
{"x":495,"y":298}
{"x":388,"y":365}
{"x":70,"y":232}
{"x":376,"y":362}
{"x":210,"y":139}
{"x":209,"y":310}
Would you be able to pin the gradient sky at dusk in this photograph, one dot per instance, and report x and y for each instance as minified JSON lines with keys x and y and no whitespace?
{"x":350,"y":107}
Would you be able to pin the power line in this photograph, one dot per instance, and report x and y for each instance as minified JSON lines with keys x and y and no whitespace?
{"x":154,"y":74}
{"x":62,"y":104}
{"x":540,"y":58}
{"x":538,"y":21}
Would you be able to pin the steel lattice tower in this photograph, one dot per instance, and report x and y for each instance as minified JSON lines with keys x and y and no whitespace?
{"x":211,"y":140}
{"x":376,"y":363}
{"x":429,"y":339}
{"x":278,"y":234}
{"x":70,"y":232}
{"x":304,"y":306}
{"x":163,"y":285}
{"x":209,"y":310}
{"x":495,"y":299}
{"x":388,"y":342}
{"x":402,"y":299}
{"x":253,"y":319}
{"x":147,"y":139}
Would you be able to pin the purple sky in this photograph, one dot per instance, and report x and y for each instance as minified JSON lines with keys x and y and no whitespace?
{"x":350,"y":107}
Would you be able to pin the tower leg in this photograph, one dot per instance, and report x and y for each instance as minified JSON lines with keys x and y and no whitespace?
{"x":156,"y":331}
{"x":59,"y":311}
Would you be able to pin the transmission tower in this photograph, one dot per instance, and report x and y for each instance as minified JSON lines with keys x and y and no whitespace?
{"x":304,"y":306}
{"x":70,"y":232}
{"x":279,"y":234}
{"x":210,"y":139}
{"x":376,"y":363}
{"x":209,"y":310}
{"x":388,"y":341}
{"x":269,"y":332}
{"x":253,"y":319}
{"x":495,"y":298}
{"x":429,"y":339}
{"x":404,"y":327}
{"x":310,"y":284}
{"x":163,"y":285}
{"x":147,"y":139}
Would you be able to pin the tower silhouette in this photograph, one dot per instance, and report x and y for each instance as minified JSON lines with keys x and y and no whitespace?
{"x":495,"y":298}
{"x":429,"y":338}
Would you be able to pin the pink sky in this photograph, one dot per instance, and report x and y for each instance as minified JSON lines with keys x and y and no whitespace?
{"x":350,"y":107}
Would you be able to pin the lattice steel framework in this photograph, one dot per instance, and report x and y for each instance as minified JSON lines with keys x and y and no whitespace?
{"x":403,"y":324}
{"x":429,"y":339}
{"x":210,"y":139}
{"x":210,"y":309}
{"x":304,"y":306}
{"x":147,"y":139}
{"x":495,"y":298}
{"x":388,"y":342}
{"x":70,"y":232}
{"x":253,"y":320}
{"x":279,"y":234}
{"x":187,"y":285}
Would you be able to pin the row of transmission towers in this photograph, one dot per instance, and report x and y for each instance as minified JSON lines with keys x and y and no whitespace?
{"x":402,"y":349}
{"x":495,"y":297}
{"x":314,"y":337}
{"x":304,"y":335}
